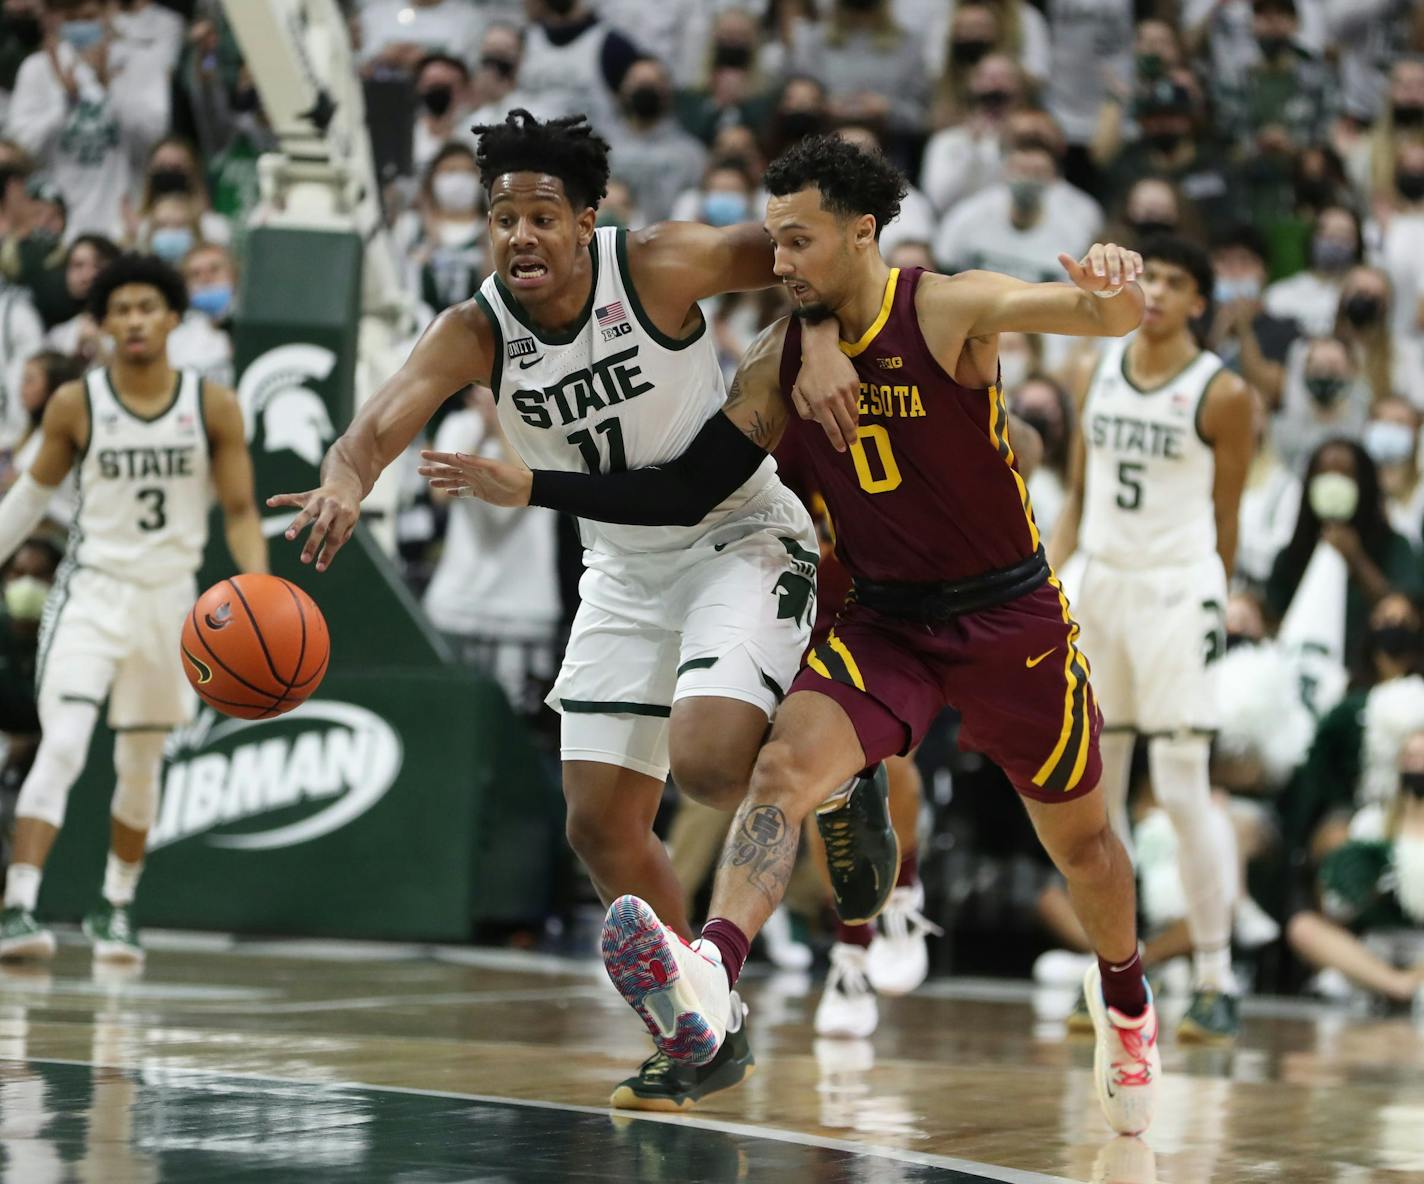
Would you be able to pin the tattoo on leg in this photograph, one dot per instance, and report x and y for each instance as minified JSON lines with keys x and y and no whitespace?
{"x":764,"y":845}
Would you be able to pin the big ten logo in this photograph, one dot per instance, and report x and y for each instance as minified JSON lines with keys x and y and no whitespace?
{"x":620,"y":330}
{"x":895,"y":363}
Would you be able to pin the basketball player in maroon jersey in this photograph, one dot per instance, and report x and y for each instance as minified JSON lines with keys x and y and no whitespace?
{"x":953,"y":599}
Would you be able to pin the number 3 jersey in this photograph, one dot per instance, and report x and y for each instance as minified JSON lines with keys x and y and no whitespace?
{"x":930,"y":491}
{"x":144,"y":486}
{"x":1147,"y":498}
{"x":610,"y":393}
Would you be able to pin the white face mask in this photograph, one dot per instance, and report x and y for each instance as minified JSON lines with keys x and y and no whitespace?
{"x":1388,"y":442}
{"x":1334,"y":497}
{"x":456,"y":193}
{"x":1409,"y":876}
{"x":25,"y":597}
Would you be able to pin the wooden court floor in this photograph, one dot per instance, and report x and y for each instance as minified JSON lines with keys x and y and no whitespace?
{"x":319,"y":1062}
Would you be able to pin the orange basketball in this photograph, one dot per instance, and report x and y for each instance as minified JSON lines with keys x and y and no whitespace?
{"x":255,"y":646}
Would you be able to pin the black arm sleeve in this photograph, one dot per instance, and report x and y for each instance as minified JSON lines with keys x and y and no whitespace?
{"x":680,"y":493}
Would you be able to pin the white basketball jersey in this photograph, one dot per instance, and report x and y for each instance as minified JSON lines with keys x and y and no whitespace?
{"x":609,"y":394}
{"x":144,"y":486}
{"x":560,"y":80}
{"x":1148,"y":491}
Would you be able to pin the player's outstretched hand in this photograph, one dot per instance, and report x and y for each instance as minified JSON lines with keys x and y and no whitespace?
{"x":499,"y":482}
{"x":828,"y":390}
{"x":331,"y":511}
{"x":1105,"y":267}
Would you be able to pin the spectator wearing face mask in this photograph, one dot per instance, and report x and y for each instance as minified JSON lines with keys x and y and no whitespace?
{"x":730,"y":88}
{"x":1157,"y":53}
{"x":1390,"y":365}
{"x":1010,"y":227}
{"x":1324,"y":396}
{"x":445,"y":237}
{"x":1270,"y":505}
{"x":1153,"y":207}
{"x":967,"y":157}
{"x":1374,"y":886}
{"x":1045,"y":406}
{"x":1392,"y":440}
{"x":1247,"y":338}
{"x":174,"y":168}
{"x":80,"y":336}
{"x":1221,"y":34}
{"x":442,"y":87}
{"x":396,"y":35}
{"x":1371,"y":157}
{"x":873,"y":69}
{"x":85,"y":107}
{"x":203,"y":340}
{"x":1311,"y":298}
{"x":800,"y":111}
{"x":976,"y":30}
{"x":654,"y":154}
{"x":1343,"y":508}
{"x":574,"y":62}
{"x":173,"y":228}
{"x":1402,"y":242}
{"x":1288,"y":92}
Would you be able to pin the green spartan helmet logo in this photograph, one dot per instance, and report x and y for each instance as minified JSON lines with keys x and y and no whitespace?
{"x":795,"y":590}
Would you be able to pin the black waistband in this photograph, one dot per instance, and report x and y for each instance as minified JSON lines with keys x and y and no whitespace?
{"x":933,"y":603}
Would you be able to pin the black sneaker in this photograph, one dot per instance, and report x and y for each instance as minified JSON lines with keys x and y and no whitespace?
{"x":664,"y":1084}
{"x":862,"y":851}
{"x":1213,"y":1018}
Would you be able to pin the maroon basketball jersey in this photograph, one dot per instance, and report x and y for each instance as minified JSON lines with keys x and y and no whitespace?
{"x":930,"y":491}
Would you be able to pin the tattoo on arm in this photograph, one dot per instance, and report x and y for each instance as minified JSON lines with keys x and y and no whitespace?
{"x":763,"y":845}
{"x":759,"y":431}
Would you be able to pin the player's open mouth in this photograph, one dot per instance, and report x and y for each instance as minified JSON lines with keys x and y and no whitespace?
{"x":798,"y":289}
{"x":527,"y":271}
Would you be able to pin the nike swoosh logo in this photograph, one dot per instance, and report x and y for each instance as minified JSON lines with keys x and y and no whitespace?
{"x":523,"y":365}
{"x":1032,"y":662}
{"x":205,"y":674}
{"x":660,"y":1006}
{"x":720,"y":546}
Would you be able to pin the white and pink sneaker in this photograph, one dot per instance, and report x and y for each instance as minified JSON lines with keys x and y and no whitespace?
{"x":1126,"y":1062}
{"x":679,"y":990}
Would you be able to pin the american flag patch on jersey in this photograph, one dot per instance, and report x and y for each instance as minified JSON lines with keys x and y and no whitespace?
{"x":611,"y":314}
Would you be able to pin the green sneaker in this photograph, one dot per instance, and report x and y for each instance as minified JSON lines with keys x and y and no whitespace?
{"x":22,"y":937}
{"x":1080,"y":1019}
{"x":1213,"y":1018}
{"x":861,"y":848}
{"x":664,"y":1084}
{"x":111,"y":930}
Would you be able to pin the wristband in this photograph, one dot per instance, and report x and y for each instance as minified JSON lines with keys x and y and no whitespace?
{"x":1109,"y":293}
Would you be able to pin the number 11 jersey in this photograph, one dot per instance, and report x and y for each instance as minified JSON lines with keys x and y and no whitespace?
{"x":144,"y":485}
{"x":1147,"y":499}
{"x":611,"y":392}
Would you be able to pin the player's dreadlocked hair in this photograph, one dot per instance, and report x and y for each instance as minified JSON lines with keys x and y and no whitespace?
{"x":852,"y":181}
{"x":566,"y":148}
{"x":133,"y":268}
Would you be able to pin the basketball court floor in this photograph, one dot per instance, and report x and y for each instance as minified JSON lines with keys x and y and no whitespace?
{"x":316,"y":1062}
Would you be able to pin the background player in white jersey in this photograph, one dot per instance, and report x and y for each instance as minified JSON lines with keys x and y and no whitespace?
{"x":151,"y":444}
{"x":1151,"y":522}
{"x":688,"y":635}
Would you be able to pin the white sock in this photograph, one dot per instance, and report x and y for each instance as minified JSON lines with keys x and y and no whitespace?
{"x":22,"y":886}
{"x":121,"y":880}
{"x":1212,"y":970}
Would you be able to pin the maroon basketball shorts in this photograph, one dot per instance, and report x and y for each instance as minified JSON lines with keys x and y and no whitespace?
{"x":1013,"y":672}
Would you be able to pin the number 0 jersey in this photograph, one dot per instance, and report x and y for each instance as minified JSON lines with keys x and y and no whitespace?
{"x":1147,"y":499}
{"x":144,"y":486}
{"x":609,"y":394}
{"x":930,"y":492}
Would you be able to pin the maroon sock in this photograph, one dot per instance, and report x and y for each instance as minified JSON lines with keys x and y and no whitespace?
{"x":909,"y":869}
{"x":731,"y":942}
{"x":1125,"y":986}
{"x":854,"y":935}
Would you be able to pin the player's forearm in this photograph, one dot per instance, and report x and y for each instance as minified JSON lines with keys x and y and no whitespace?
{"x":21,"y":512}
{"x":1227,"y":531}
{"x":1119,"y":315}
{"x":245,"y":543}
{"x":353,"y":461}
{"x":1064,"y":540}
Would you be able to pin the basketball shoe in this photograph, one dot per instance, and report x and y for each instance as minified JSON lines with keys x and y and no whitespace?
{"x":111,"y":930}
{"x":1214,"y":1017}
{"x":680,"y":990}
{"x":21,"y":936}
{"x":848,"y":1007}
{"x":1126,"y":1061}
{"x":667,"y":1085}
{"x":899,"y":959}
{"x":862,"y":851}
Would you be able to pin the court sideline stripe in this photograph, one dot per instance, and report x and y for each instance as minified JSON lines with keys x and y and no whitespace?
{"x":746,"y":1130}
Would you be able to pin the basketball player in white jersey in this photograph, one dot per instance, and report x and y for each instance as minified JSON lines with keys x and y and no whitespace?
{"x":688,"y":635}
{"x":1151,"y":523}
{"x":150,"y":445}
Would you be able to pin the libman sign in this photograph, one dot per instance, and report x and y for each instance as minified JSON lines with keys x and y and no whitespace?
{"x":258,"y":785}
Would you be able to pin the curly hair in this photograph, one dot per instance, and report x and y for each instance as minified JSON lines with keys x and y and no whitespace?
{"x":1182,"y":252}
{"x":133,"y":268}
{"x":852,"y":181}
{"x":566,"y":148}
